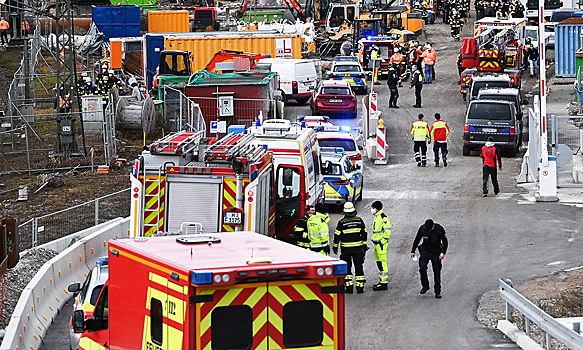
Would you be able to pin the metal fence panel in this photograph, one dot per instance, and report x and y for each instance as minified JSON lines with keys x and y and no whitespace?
{"x":566,"y":132}
{"x":181,"y":111}
{"x":534,"y":133}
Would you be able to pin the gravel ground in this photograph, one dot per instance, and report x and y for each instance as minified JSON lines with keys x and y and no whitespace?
{"x":16,"y":279}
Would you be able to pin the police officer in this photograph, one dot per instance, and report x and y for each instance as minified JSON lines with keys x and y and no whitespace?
{"x":319,"y":231}
{"x":433,"y":248}
{"x":417,"y":82}
{"x":392,"y":81}
{"x":420,"y":132}
{"x":381,"y":232}
{"x":350,"y":234}
{"x":301,"y":233}
{"x":375,"y":58}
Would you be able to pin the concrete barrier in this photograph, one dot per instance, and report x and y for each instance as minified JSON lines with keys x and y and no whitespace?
{"x":47,"y":292}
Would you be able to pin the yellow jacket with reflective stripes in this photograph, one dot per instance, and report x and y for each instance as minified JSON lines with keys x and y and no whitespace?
{"x":420,"y":131}
{"x":350,"y":232}
{"x":318,"y":230}
{"x":381,"y":228}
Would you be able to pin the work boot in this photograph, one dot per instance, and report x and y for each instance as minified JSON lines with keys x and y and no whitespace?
{"x":418,"y":163}
{"x":438,"y":295}
{"x":359,"y":290}
{"x":423,"y":290}
{"x":380,"y":286}
{"x":348,"y":289}
{"x":445,"y":162}
{"x":437,"y":163}
{"x":423,"y":164}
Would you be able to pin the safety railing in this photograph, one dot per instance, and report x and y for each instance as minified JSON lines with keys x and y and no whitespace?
{"x":532,"y":313}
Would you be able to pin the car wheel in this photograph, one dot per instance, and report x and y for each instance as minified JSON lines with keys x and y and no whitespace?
{"x":466,"y":151}
{"x":283,"y":97}
{"x":302,"y":101}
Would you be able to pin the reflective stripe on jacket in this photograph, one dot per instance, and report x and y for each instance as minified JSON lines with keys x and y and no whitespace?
{"x":429,"y":56}
{"x":4,"y":25}
{"x":350,"y":232}
{"x":381,"y":228}
{"x":420,"y":131}
{"x":439,"y":131}
{"x":318,"y":230}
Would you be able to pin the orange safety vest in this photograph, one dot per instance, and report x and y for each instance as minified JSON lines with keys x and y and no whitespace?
{"x":64,"y":102}
{"x":4,"y":25}
{"x":429,"y":57}
{"x":25,"y":25}
{"x":397,"y":58}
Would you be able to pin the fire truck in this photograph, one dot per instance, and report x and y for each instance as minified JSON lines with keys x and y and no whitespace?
{"x":225,"y":186}
{"x":226,"y":290}
{"x":296,"y":159}
{"x":496,"y":48}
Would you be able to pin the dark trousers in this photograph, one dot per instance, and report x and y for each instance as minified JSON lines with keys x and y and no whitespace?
{"x":489,"y":171}
{"x":394,"y":96}
{"x":436,"y":265}
{"x":440,"y":146}
{"x":356,"y":256}
{"x":4,"y":36}
{"x":418,"y":88}
{"x":432,"y":72}
{"x":445,"y":16}
{"x":420,"y":156}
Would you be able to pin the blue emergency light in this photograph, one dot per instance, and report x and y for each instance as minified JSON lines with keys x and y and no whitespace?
{"x":102,"y":261}
{"x":202,"y":277}
{"x":340,"y":267}
{"x":345,"y":128}
{"x":303,"y":125}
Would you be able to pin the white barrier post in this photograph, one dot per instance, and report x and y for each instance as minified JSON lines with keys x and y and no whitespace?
{"x":381,"y":144}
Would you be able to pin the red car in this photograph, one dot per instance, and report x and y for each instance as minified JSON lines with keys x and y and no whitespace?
{"x":334,"y":97}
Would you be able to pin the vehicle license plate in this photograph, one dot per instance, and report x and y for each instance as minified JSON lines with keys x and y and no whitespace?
{"x":489,"y":130}
{"x":334,"y":100}
{"x":233,"y":218}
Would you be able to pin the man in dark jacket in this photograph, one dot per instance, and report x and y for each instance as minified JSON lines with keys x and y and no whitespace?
{"x":300,"y":232}
{"x":433,"y":248}
{"x":350,"y":234}
{"x":490,"y":155}
{"x":393,"y":81}
{"x":417,"y":82}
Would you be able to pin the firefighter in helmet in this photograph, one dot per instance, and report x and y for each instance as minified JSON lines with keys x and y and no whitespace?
{"x":375,"y":56}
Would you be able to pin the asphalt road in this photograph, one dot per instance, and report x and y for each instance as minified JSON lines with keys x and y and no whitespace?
{"x":504,"y":236}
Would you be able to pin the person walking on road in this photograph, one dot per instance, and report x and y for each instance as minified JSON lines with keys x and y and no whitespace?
{"x":319,"y":230}
{"x":490,"y":156}
{"x":432,"y":249}
{"x":381,"y":232}
{"x":393,"y":81}
{"x":417,"y":82}
{"x":439,"y":133}
{"x":301,"y":233}
{"x":429,"y":57}
{"x":4,"y":26}
{"x":421,"y":136}
{"x":350,"y":234}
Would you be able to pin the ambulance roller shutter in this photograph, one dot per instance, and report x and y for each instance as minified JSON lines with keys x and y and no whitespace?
{"x":195,"y":200}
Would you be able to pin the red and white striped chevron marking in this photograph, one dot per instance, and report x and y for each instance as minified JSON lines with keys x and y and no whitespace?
{"x":373,"y":103}
{"x":381,"y":143}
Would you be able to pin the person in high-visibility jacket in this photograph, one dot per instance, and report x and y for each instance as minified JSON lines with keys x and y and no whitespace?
{"x":381,"y":232}
{"x":4,"y":26}
{"x":375,"y":58}
{"x":398,"y":61}
{"x":420,"y":132}
{"x":350,"y":235}
{"x":439,"y":133}
{"x":25,"y":28}
{"x":417,"y":82}
{"x":319,"y":231}
{"x":300,"y":232}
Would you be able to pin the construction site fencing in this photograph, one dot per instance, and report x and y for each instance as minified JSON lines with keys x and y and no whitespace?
{"x":181,"y":112}
{"x":566,"y":134}
{"x":244,"y":112}
{"x":46,"y":228}
{"x":534,"y":150}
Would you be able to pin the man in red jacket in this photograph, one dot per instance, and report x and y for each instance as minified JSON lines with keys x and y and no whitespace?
{"x":490,"y":155}
{"x":439,"y":133}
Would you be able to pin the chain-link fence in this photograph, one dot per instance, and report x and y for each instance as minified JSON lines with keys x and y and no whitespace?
{"x":49,"y":227}
{"x":181,"y":111}
{"x":566,"y":133}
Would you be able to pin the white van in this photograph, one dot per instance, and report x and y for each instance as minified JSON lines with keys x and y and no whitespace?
{"x":297,"y":77}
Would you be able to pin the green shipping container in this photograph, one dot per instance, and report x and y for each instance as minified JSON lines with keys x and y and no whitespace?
{"x":263,"y":16}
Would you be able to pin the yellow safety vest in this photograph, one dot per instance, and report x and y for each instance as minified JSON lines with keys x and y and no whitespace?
{"x":420,"y":131}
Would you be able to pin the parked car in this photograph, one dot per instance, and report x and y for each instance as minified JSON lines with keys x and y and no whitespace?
{"x":348,"y":68}
{"x":297,"y":77}
{"x":504,"y":94}
{"x":498,"y":119}
{"x":339,"y":137}
{"x":334,"y":97}
{"x":87,"y":296}
{"x":487,"y":81}
{"x":343,"y":178}
{"x":313,"y":121}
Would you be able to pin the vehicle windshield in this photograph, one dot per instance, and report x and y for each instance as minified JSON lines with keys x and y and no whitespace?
{"x":489,"y":111}
{"x":492,"y":84}
{"x":347,"y":144}
{"x":333,"y":90}
{"x":333,"y":169}
{"x":560,"y":16}
{"x":532,"y":34}
{"x":347,"y":68}
{"x":510,"y":98}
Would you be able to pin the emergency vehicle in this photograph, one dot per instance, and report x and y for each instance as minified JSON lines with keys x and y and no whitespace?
{"x":296,"y":160}
{"x":497,"y":47}
{"x":226,"y":290}
{"x":386,"y":45}
{"x":348,"y":68}
{"x":179,"y":179}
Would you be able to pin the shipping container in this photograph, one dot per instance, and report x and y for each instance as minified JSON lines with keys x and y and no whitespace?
{"x":154,"y":45}
{"x":203,"y":47}
{"x":141,"y":3}
{"x":117,"y":21}
{"x":567,"y":42}
{"x":168,"y":22}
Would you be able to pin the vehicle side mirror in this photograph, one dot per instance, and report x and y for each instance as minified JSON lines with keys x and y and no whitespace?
{"x":524,"y":102}
{"x":78,"y":321}
{"x":74,"y":287}
{"x":360,"y":147}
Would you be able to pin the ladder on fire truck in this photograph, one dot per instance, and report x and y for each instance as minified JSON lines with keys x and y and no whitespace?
{"x":175,"y":144}
{"x":234,"y":146}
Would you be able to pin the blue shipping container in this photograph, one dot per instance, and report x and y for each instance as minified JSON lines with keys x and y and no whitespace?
{"x":117,"y":21}
{"x":154,"y":45}
{"x":567,"y":42}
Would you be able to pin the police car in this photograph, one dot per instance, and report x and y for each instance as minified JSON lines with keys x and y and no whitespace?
{"x":340,"y":137}
{"x":342,"y":176}
{"x":87,"y":296}
{"x":314,"y":121}
{"x":348,"y":68}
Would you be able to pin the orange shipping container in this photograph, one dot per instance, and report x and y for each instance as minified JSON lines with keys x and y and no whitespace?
{"x":168,"y":22}
{"x":116,"y":53}
{"x":203,"y":47}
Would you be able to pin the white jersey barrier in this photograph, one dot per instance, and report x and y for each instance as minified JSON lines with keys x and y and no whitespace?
{"x":46,"y":293}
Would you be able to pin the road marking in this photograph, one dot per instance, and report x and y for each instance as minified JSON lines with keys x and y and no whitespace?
{"x":555,"y":263}
{"x":405,"y":194}
{"x":507,"y":345}
{"x":525,"y":202}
